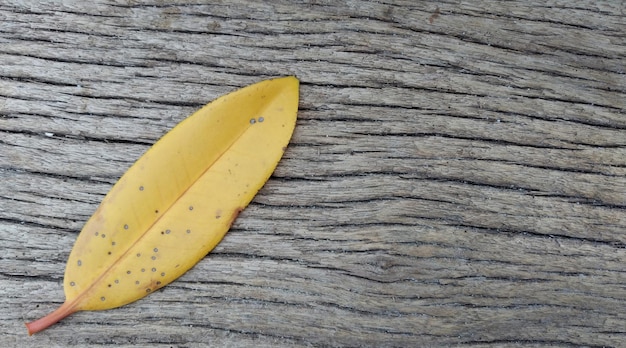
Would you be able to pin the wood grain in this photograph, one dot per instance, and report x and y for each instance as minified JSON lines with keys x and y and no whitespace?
{"x":457,"y":175}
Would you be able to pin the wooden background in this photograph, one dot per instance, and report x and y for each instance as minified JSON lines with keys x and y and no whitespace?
{"x":457,"y":175}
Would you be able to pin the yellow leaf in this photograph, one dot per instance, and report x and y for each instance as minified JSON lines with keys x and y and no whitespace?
{"x":179,"y":199}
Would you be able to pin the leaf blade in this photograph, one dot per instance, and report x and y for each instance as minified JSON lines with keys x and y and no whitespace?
{"x":156,"y":222}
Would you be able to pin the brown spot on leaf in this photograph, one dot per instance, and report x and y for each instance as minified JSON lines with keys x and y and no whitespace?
{"x":234,"y":216}
{"x":153,"y":285}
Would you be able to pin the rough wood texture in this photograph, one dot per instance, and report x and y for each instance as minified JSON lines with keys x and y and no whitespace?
{"x":457,"y":175}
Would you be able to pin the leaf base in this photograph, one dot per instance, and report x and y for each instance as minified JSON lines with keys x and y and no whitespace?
{"x":50,"y":319}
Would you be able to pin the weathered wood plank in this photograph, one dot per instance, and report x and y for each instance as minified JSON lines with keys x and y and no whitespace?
{"x":454,"y":179}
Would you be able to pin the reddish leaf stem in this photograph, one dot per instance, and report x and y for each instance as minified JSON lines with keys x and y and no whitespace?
{"x":50,"y":319}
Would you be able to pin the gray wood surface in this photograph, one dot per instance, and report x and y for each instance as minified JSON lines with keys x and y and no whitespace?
{"x":457,"y":175}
